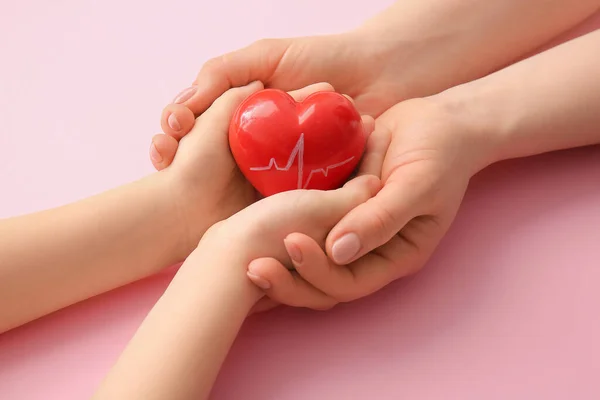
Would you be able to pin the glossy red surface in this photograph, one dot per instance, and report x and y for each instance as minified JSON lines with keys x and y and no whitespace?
{"x":280,"y":144}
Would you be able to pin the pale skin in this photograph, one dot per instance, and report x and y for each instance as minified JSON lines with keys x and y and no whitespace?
{"x":54,"y":258}
{"x":414,"y":49}
{"x":426,"y":144}
{"x":434,"y":146}
{"x":546,"y":103}
{"x":179,"y":348}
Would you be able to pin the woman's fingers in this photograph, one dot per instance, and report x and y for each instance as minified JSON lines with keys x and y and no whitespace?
{"x":313,"y":265}
{"x":343,"y":283}
{"x":286,"y":287}
{"x":256,"y":62}
{"x":319,"y":284}
{"x":376,"y":221}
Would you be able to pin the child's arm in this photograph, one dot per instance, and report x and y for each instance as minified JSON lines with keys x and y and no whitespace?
{"x":179,"y":349}
{"x":181,"y":345}
{"x":55,"y":258}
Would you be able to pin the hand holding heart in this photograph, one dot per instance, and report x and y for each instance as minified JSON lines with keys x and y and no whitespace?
{"x":424,"y":158}
{"x":211,"y":181}
{"x":280,"y":144}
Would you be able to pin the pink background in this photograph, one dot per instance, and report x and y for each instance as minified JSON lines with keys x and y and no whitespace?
{"x":507,"y":308}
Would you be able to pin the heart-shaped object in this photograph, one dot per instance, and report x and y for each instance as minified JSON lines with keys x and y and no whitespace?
{"x":280,"y":144}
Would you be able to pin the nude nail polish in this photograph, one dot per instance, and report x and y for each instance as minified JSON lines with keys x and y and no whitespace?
{"x":345,"y":248}
{"x":185,"y":95}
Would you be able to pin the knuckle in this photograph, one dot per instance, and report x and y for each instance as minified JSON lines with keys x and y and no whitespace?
{"x":214,"y":64}
{"x":264,"y":43}
{"x":385,"y":224}
{"x":307,"y":200}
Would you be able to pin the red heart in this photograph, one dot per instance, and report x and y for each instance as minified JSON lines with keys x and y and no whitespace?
{"x":280,"y":144}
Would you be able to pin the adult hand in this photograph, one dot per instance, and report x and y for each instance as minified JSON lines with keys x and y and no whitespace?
{"x":425,"y":158}
{"x":355,"y":63}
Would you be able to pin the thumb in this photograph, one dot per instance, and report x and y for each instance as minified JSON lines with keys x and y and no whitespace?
{"x":213,"y":125}
{"x":335,"y":204}
{"x":373,"y":223}
{"x":256,"y":62}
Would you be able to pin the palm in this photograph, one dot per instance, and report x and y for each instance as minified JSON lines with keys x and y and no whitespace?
{"x":207,"y":164}
{"x":424,"y":162}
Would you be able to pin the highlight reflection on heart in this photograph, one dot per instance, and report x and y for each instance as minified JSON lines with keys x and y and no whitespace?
{"x":282,"y":145}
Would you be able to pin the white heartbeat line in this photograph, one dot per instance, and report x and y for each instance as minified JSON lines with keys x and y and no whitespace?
{"x":298,"y":152}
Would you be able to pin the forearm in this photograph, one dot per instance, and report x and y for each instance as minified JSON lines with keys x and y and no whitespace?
{"x":55,"y":258}
{"x":180,"y":347}
{"x":443,"y":43}
{"x":545,"y":103}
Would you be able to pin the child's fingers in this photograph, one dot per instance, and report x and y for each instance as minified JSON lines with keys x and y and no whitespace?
{"x":285,"y":287}
{"x":301,"y":94}
{"x":376,"y":149}
{"x":339,"y":202}
{"x":368,"y":124}
{"x":162,"y":151}
{"x":264,"y":304}
{"x":177,"y":120}
{"x":217,"y":118}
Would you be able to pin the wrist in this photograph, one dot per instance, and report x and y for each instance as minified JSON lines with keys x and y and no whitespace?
{"x":469,"y":105}
{"x":194,"y":209}
{"x":218,"y":268}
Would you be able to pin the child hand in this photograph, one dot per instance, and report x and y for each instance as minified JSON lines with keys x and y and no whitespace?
{"x":259,"y":230}
{"x":425,"y":158}
{"x":210,"y":187}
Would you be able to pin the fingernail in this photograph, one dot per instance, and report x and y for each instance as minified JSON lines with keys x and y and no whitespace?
{"x":259,"y":281}
{"x":293,"y":251}
{"x":154,"y":154}
{"x":345,"y":248}
{"x":185,"y":95}
{"x":173,"y":122}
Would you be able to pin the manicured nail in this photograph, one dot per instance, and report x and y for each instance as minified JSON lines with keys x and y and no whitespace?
{"x":345,"y":248}
{"x":259,"y":281}
{"x":173,"y":123}
{"x":293,"y":251}
{"x":185,"y":95}
{"x":154,"y":154}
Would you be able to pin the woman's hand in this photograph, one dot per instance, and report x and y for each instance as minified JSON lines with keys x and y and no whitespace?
{"x":354,"y":63}
{"x":412,"y":49}
{"x":425,"y":158}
